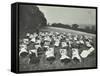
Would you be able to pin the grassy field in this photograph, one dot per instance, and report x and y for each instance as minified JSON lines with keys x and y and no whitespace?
{"x":90,"y":61}
{"x":56,"y":29}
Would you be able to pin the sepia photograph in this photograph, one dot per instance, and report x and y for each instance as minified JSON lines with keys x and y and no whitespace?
{"x":56,"y":37}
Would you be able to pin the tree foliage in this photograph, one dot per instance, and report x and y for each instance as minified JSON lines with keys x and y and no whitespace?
{"x":75,"y":26}
{"x":30,"y":18}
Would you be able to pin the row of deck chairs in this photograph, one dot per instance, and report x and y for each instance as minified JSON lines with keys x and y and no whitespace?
{"x":36,"y":45}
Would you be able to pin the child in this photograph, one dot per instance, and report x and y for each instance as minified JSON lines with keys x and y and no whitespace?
{"x":64,"y":44}
{"x":23,"y":51}
{"x":88,"y":51}
{"x":46,"y":45}
{"x":64,"y":58}
{"x":33,"y":56}
{"x":50,"y":55}
{"x":75,"y":55}
{"x":57,"y":42}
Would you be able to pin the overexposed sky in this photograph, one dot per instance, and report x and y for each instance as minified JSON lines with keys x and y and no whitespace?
{"x":69,"y":15}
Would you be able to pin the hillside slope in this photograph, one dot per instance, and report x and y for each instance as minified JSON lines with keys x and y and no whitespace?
{"x":56,"y":29}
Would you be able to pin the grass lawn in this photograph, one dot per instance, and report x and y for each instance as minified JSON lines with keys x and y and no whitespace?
{"x":90,"y":61}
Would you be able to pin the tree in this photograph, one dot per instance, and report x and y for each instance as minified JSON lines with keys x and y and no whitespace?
{"x":87,"y":29}
{"x":75,"y":26}
{"x":31,"y":19}
{"x":48,"y":24}
{"x":93,"y":29}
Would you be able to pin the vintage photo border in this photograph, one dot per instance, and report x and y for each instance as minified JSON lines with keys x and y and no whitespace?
{"x":56,"y":5}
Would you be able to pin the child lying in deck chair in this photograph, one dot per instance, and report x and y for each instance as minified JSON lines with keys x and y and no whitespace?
{"x":23,"y":51}
{"x":33,"y":56}
{"x":87,"y":52}
{"x":50,"y":55}
{"x":64,"y":58}
{"x":75,"y":55}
